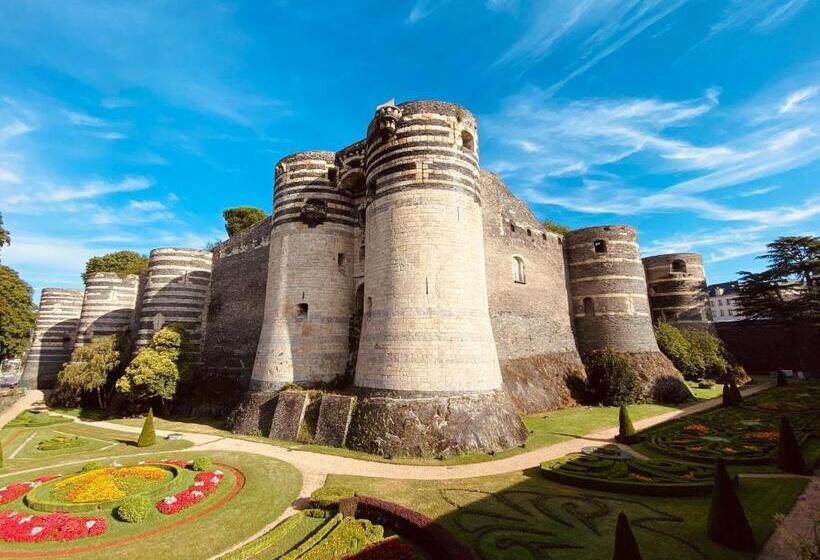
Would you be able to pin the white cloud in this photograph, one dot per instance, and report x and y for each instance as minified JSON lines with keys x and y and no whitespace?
{"x":81,"y":119}
{"x":110,"y":135}
{"x":761,"y":16}
{"x":795,"y":98}
{"x":759,"y":191}
{"x":14,"y":128}
{"x":423,"y":8}
{"x":36,"y":199}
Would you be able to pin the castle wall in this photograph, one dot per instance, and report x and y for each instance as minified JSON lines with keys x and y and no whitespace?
{"x":108,"y":305}
{"x":176,"y":291}
{"x":304,"y":338}
{"x":55,"y":331}
{"x":677,"y":289}
{"x":530,"y":315}
{"x":237,"y":302}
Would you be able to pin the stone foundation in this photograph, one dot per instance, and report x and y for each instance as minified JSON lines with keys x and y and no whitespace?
{"x":254,"y":415}
{"x":657,"y":377}
{"x":435,"y":426}
{"x":544,"y":382}
{"x":335,"y":412}
{"x":289,"y":413}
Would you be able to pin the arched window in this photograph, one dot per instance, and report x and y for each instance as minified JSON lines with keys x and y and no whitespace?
{"x":599,"y":245}
{"x":678,"y":266}
{"x":467,"y":140}
{"x":519,"y":274}
{"x":589,"y":306}
{"x":301,"y":310}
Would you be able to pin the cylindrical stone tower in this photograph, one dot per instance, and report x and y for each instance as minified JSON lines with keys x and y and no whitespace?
{"x":108,"y":305}
{"x":610,"y":304}
{"x":309,"y":296}
{"x":54,"y":334}
{"x":427,"y":357}
{"x":176,"y":291}
{"x":677,"y":289}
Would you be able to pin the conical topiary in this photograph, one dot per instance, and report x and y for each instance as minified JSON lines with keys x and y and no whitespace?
{"x":1,"y":454}
{"x":626,"y":547}
{"x":148,"y":436}
{"x":781,"y":378}
{"x":727,"y":523}
{"x":737,"y":398}
{"x":727,"y":395}
{"x":789,"y":458}
{"x":626,"y":431}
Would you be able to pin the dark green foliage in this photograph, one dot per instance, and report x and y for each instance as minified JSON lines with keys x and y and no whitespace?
{"x":781,"y":379}
{"x":731,"y":395}
{"x":241,"y":218}
{"x":91,"y":369}
{"x":789,"y":457}
{"x":626,"y":430}
{"x":16,"y":314}
{"x":626,"y":547}
{"x":697,"y":353}
{"x":727,"y":524}
{"x":202,"y":464}
{"x":611,"y":381}
{"x":2,"y":455}
{"x":329,"y":496}
{"x":5,"y":237}
{"x":121,"y":262}
{"x":134,"y":509}
{"x":157,"y":369}
{"x":60,"y":442}
{"x":737,"y":397}
{"x":555,"y":227}
{"x":148,"y":436}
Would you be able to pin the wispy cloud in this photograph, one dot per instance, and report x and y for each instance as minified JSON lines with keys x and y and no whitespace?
{"x":793,"y":101}
{"x":761,"y":16}
{"x":81,"y":119}
{"x":758,"y":191}
{"x":35,"y":199}
{"x":423,"y":8}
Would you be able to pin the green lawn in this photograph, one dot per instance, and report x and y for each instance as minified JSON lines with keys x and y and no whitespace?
{"x":522,"y":516}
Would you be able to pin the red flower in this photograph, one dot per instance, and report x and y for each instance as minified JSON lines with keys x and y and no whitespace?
{"x":22,"y":527}
{"x":204,"y":484}
{"x":18,"y":489}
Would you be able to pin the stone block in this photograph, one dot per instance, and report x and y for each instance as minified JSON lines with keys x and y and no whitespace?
{"x":287,"y":418}
{"x":334,"y":419}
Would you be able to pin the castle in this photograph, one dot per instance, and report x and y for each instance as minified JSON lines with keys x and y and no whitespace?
{"x":425,"y":301}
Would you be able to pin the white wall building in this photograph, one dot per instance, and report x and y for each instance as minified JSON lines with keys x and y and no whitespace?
{"x":722,"y":300}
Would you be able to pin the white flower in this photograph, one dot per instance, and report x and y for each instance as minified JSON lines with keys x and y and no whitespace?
{"x":90,"y":523}
{"x":218,"y":472}
{"x":36,"y":530}
{"x":199,"y":483}
{"x":26,"y":519}
{"x":197,"y":494}
{"x":4,"y":488}
{"x":168,"y":500}
{"x":141,"y":463}
{"x":216,"y":480}
{"x":11,"y":514}
{"x":116,"y":464}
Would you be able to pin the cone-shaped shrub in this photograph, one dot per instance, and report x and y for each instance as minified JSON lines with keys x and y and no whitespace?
{"x":1,"y":454}
{"x":789,"y":458}
{"x":626,"y":431}
{"x":781,"y":379}
{"x":727,"y":395}
{"x":626,"y":547}
{"x":727,"y":524}
{"x":148,"y":436}
{"x":737,"y":398}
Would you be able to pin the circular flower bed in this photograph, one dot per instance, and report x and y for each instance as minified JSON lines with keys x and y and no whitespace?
{"x":22,"y":527}
{"x":204,"y":484}
{"x":100,"y":488}
{"x":17,"y":489}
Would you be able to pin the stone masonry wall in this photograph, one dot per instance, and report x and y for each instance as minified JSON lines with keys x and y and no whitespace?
{"x":677,"y":289}
{"x":108,"y":305}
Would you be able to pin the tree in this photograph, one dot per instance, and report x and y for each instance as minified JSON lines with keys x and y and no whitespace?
{"x":626,"y":547}
{"x":241,"y":218}
{"x":90,"y":368}
{"x":626,"y":430}
{"x":121,"y":262}
{"x":789,"y":458}
{"x":788,"y":290}
{"x":148,"y":436}
{"x":16,"y":314}
{"x":727,"y":523}
{"x":156,"y":370}
{"x":555,"y":227}
{"x":610,"y":380}
{"x":5,"y":237}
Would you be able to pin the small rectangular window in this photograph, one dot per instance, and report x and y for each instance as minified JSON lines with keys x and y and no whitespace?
{"x":341,"y":259}
{"x":301,"y":310}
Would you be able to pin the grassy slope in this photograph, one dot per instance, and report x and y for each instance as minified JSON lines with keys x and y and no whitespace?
{"x":761,"y":498}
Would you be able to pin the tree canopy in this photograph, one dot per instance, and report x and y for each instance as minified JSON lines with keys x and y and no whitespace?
{"x":241,"y":218}
{"x":5,"y":237}
{"x":156,"y":370}
{"x":90,"y":368}
{"x":16,"y":314}
{"x":121,"y":262}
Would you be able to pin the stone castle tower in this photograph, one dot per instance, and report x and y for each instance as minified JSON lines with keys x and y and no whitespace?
{"x":677,"y":289}
{"x":108,"y":305}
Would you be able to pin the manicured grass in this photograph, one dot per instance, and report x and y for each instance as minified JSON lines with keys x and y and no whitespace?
{"x":712,"y":392}
{"x":269,"y":487}
{"x":522,"y":516}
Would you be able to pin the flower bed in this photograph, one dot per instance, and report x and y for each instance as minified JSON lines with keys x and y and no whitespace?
{"x":204,"y":484}
{"x":22,"y":527}
{"x":61,"y":442}
{"x":18,"y":489}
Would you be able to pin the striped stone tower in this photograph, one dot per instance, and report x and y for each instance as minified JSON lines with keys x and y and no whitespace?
{"x":54,"y":334}
{"x":609,"y":300}
{"x":108,"y":305}
{"x":677,"y":289}
{"x":176,"y":291}
{"x":309,"y":295}
{"x":427,"y":357}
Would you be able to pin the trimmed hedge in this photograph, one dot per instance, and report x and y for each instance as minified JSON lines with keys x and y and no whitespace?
{"x":626,"y":430}
{"x":727,"y":523}
{"x":626,"y":547}
{"x":391,"y":548}
{"x":329,"y":496}
{"x":789,"y":457}
{"x":416,"y":527}
{"x":148,"y":436}
{"x":202,"y":464}
{"x":134,"y":509}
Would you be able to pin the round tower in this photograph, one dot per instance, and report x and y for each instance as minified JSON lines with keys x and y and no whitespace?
{"x":175,"y":291}
{"x":677,"y":289}
{"x":610,"y":304}
{"x":309,"y":295}
{"x":427,"y":366}
{"x":108,"y":305}
{"x":54,"y":334}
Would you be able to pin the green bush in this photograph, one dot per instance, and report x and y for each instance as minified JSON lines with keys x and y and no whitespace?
{"x":92,"y":466}
{"x":202,"y":464}
{"x":134,"y":509}
{"x":789,"y":458}
{"x":330,"y":496}
{"x":626,"y":430}
{"x":697,"y":353}
{"x":611,"y":381}
{"x":626,"y":547}
{"x":727,"y":523}
{"x":148,"y":435}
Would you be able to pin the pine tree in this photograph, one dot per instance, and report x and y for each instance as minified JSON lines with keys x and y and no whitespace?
{"x":626,"y":431}
{"x":789,"y":458}
{"x":148,"y":436}
{"x":626,"y":547}
{"x":727,"y":523}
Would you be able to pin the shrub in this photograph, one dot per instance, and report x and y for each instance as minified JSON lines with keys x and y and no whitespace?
{"x":134,"y":509}
{"x":90,"y":368}
{"x":1,"y":454}
{"x":330,"y":496}
{"x":158,"y":368}
{"x":148,"y":436}
{"x":736,"y":396}
{"x":626,"y":430}
{"x":697,"y":353}
{"x":92,"y":466}
{"x":610,"y":379}
{"x":202,"y":464}
{"x":391,"y":547}
{"x":727,"y":524}
{"x":674,"y":344}
{"x":626,"y":547}
{"x":789,"y":458}
{"x":781,"y":379}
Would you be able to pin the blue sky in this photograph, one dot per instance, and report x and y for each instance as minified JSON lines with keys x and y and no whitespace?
{"x":132,"y":125}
